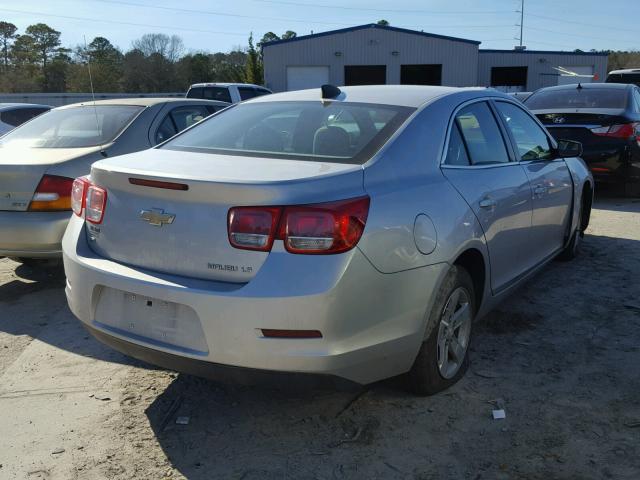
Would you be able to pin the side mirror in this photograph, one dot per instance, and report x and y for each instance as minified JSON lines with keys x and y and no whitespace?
{"x":568,"y":149}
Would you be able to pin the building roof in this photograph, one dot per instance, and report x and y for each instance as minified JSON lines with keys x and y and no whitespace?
{"x":545,"y":52}
{"x":365,"y":27}
{"x":400,"y":95}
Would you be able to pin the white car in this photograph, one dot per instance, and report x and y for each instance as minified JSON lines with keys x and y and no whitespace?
{"x":226,"y":92}
{"x":15,"y":114}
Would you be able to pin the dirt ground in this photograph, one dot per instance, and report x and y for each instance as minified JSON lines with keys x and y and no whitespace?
{"x":562,"y":356}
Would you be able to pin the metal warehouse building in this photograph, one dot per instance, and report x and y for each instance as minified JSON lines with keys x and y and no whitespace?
{"x":379,"y":54}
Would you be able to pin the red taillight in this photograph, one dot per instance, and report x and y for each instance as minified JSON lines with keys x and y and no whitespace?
{"x":621,"y":130}
{"x":253,"y":228}
{"x":52,"y":194}
{"x":79,"y":195}
{"x":95,"y":203}
{"x":323,"y":228}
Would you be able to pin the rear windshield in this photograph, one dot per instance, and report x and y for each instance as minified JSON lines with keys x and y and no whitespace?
{"x":210,"y":93}
{"x":578,"y":98}
{"x":314,"y":131}
{"x":74,"y":127}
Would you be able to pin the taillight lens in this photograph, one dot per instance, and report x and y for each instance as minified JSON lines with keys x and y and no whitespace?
{"x":324,"y":228}
{"x":621,"y":130}
{"x":79,"y":195}
{"x":52,"y":194}
{"x":95,"y":203}
{"x":253,"y":228}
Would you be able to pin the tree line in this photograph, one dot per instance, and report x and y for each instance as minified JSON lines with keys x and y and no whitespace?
{"x":36,"y":61}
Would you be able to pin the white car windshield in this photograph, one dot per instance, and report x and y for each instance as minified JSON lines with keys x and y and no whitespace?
{"x":74,"y":127}
{"x":314,"y":131}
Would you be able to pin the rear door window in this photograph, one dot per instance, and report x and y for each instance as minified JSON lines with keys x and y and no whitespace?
{"x":178,"y":119}
{"x":531,"y":141}
{"x":481,"y":135}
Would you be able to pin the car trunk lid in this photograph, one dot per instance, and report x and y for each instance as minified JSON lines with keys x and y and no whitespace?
{"x":21,"y":170}
{"x":579,"y":125}
{"x":183,"y":230}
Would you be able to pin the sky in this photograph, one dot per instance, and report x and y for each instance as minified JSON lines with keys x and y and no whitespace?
{"x":220,"y":26}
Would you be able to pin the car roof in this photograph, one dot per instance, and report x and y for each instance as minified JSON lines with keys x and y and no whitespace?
{"x":7,"y":106}
{"x":226,"y":84}
{"x":144,"y":102}
{"x":626,"y":70}
{"x":400,"y":95}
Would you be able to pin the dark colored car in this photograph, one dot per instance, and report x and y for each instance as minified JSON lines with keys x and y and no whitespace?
{"x":627,"y":75}
{"x":605,"y":118}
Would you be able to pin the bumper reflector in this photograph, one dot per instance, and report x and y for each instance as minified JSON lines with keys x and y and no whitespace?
{"x":272,"y":333}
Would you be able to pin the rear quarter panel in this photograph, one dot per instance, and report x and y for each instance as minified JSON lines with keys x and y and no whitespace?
{"x":406,"y":181}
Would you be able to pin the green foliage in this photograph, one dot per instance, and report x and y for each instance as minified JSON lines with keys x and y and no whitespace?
{"x":253,"y":69}
{"x":383,"y":22}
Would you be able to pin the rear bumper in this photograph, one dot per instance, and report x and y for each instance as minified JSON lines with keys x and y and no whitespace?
{"x":32,"y":234}
{"x":219,"y":372}
{"x":372,"y":323}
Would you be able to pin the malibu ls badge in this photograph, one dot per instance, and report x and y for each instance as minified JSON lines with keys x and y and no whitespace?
{"x":157,"y":217}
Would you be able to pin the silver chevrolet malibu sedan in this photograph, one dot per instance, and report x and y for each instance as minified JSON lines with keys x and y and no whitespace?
{"x":354,"y":232}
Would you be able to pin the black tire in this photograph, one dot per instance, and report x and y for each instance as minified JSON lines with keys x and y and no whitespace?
{"x":572,"y":249}
{"x":631,"y":189}
{"x":425,"y":378}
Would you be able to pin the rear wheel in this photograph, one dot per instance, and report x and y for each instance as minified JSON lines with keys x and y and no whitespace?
{"x":443,"y":357}
{"x":632,"y":189}
{"x":572,"y":249}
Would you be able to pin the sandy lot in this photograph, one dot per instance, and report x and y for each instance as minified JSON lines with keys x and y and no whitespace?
{"x":562,"y":356}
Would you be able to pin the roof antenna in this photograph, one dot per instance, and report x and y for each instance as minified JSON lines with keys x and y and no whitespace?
{"x":93,"y":95}
{"x":330,"y":91}
{"x":579,"y":87}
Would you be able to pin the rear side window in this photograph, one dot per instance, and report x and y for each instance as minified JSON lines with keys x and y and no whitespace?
{"x":456,"y":151}
{"x":481,"y":135}
{"x":531,"y":141}
{"x":578,"y":98}
{"x":340,"y":132}
{"x":246,"y":92}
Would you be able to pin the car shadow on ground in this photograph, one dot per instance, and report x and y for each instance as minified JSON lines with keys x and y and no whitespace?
{"x":550,"y":355}
{"x":22,"y":298}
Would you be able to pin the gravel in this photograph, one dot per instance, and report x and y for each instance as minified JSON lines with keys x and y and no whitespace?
{"x":561,"y":357}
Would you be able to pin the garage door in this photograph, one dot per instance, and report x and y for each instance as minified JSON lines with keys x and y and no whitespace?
{"x":580,"y":70}
{"x":299,"y":78}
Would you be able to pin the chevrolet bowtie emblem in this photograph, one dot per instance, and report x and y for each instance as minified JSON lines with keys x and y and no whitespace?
{"x":157,"y":217}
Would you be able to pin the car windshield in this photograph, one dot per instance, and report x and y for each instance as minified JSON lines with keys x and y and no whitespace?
{"x":314,"y":131}
{"x":74,"y":127}
{"x":578,"y":98}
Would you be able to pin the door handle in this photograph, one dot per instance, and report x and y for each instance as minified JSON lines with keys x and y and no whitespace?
{"x":488,"y":203}
{"x":539,"y":189}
